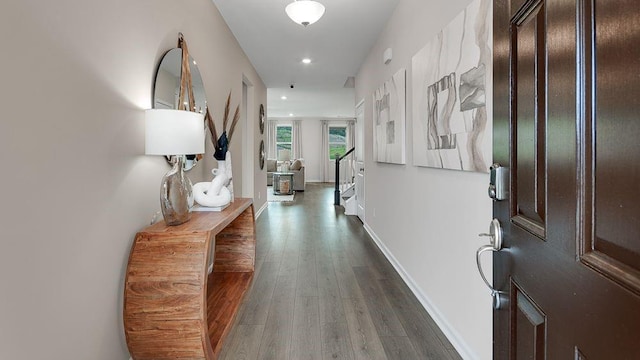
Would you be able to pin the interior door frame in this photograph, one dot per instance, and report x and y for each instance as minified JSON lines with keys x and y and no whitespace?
{"x":360,"y":160}
{"x":248,"y":116}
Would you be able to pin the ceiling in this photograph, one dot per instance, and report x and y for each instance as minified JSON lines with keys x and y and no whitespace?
{"x":337,"y":45}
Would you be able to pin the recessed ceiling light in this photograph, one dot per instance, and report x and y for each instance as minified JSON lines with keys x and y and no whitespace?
{"x":306,"y":61}
{"x":194,"y":62}
{"x":283,"y":97}
{"x":290,"y":114}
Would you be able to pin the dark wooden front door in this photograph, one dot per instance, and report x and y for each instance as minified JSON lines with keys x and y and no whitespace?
{"x":567,"y":125}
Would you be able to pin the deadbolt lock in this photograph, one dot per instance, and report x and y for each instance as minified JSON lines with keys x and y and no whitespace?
{"x":498,"y":182}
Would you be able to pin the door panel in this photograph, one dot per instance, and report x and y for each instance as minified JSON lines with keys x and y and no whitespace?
{"x":529,"y":112}
{"x":611,"y":241}
{"x":566,"y":105}
{"x":529,"y":326}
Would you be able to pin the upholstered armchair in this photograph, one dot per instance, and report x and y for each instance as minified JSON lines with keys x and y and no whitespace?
{"x":296,"y":167}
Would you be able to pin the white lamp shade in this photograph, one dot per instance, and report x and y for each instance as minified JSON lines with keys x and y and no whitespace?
{"x":284,"y":155}
{"x":173,"y":132}
{"x":305,"y":12}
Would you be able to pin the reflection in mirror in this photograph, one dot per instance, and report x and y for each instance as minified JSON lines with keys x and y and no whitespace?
{"x":166,"y":92}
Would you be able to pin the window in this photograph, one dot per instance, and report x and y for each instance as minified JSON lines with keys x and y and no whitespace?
{"x":283,"y":137}
{"x":337,"y":141}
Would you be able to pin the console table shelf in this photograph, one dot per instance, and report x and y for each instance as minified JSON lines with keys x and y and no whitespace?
{"x":172,"y":308}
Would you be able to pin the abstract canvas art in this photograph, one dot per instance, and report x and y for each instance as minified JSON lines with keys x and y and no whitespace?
{"x":452,"y":94}
{"x":389,"y":122}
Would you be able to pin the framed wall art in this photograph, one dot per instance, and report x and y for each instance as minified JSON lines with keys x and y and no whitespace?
{"x":452,"y":94}
{"x":261,"y":119}
{"x":389,"y":105}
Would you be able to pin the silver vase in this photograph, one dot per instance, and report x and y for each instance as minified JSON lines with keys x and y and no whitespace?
{"x":176,"y":194}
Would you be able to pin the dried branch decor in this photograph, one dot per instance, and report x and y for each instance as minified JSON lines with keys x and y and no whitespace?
{"x":221,"y":144}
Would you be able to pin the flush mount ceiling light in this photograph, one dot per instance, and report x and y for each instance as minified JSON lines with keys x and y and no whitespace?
{"x":305,"y":12}
{"x":283,"y":97}
{"x":306,"y":61}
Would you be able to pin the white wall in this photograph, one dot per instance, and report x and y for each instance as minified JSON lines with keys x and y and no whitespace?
{"x":428,"y":219}
{"x":76,"y":185}
{"x":312,"y":149}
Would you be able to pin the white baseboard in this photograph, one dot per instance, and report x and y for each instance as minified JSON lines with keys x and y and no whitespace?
{"x":259,"y":212}
{"x":454,"y":337}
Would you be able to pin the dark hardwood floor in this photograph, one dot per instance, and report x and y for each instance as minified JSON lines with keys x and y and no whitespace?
{"x":323,"y":290}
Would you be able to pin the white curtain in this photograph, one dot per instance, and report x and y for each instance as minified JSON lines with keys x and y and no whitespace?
{"x":271,"y":139}
{"x":351,"y":134}
{"x":297,"y":137}
{"x":324,"y":154}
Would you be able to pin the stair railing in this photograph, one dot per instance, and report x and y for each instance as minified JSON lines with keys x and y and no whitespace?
{"x":348,"y":174}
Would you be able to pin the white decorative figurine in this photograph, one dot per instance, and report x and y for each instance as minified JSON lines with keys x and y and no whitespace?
{"x":219,"y":192}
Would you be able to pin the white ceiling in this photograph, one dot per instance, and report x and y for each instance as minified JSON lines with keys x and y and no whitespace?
{"x":337,"y":45}
{"x":306,"y":103}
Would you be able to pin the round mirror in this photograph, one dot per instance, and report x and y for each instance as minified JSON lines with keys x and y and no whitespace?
{"x":261,"y":119}
{"x":261,"y":155}
{"x":166,"y":93}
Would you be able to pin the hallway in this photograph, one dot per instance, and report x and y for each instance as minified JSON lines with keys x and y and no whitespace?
{"x":323,"y":290}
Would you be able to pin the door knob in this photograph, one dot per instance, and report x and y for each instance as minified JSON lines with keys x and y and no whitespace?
{"x":494,"y":235}
{"x":495,"y":244}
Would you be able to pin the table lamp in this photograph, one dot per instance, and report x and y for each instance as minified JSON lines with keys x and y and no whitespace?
{"x":285,"y":157}
{"x":174,"y":133}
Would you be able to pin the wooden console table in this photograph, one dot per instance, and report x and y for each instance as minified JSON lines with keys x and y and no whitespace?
{"x":172,"y":309}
